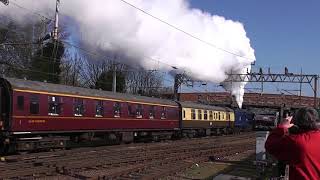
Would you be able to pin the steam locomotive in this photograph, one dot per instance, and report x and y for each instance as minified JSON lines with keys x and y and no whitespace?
{"x":37,"y":115}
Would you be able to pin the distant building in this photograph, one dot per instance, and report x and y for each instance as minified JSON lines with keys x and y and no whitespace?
{"x":250,"y":99}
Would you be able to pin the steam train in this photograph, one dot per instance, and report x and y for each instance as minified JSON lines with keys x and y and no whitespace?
{"x":244,"y":120}
{"x":37,"y":115}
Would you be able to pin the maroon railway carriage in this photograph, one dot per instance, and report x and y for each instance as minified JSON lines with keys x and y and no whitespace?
{"x":37,"y":113}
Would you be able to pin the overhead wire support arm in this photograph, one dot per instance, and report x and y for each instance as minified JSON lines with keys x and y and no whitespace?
{"x":311,"y":79}
{"x":257,"y":77}
{"x":184,"y":79}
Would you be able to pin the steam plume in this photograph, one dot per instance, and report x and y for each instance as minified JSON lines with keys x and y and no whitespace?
{"x":113,"y":26}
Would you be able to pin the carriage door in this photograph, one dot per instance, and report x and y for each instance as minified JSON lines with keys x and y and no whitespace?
{"x":5,"y":103}
{"x":228,"y":118}
{"x":2,"y":108}
{"x":1,"y":121}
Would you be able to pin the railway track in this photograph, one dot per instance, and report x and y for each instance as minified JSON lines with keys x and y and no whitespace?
{"x":134,"y":161}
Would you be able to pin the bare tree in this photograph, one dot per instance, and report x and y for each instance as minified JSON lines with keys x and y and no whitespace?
{"x":20,"y":43}
{"x":91,"y":71}
{"x":81,"y":71}
{"x":143,"y":82}
{"x":71,"y":66}
{"x":16,"y":49}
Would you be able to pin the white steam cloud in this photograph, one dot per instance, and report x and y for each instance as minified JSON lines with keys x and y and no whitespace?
{"x":113,"y":26}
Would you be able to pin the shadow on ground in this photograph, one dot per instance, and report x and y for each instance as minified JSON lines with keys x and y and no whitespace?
{"x":220,"y":169}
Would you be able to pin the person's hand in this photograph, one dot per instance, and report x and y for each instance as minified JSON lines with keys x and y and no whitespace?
{"x":286,"y":122}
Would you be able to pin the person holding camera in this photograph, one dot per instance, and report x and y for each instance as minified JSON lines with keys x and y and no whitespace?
{"x":296,"y":142}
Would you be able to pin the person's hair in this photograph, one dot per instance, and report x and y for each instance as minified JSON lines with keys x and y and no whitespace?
{"x":306,"y":119}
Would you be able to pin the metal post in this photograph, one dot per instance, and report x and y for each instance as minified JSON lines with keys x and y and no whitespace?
{"x":114,"y":83}
{"x":261,"y":159}
{"x":55,"y":31}
{"x":281,"y":114}
{"x":315,"y":91}
{"x":231,"y":99}
{"x":300,"y":91}
{"x":177,"y":84}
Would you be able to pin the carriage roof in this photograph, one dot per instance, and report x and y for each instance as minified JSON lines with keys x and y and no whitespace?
{"x":22,"y":84}
{"x":187,"y":104}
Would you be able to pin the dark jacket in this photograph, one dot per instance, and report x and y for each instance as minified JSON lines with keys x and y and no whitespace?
{"x":301,"y":151}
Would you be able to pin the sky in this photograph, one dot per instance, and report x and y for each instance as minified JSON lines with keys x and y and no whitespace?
{"x":282,"y":32}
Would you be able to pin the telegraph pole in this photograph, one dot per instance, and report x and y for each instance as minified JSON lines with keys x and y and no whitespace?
{"x":114,"y":82}
{"x":315,"y":92}
{"x":300,"y":91}
{"x":178,"y":79}
{"x":56,"y":23}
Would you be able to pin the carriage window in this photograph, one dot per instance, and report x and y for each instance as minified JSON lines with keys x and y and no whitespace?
{"x":219,"y":116}
{"x":78,"y":107}
{"x":20,"y":102}
{"x":151,"y":112}
{"x":164,"y":113}
{"x":99,"y":108}
{"x":54,"y":108}
{"x":34,"y":104}
{"x":193,"y":114}
{"x":210,"y":115}
{"x":139,"y":111}
{"x":199,"y":114}
{"x":117,"y":109}
{"x":222,"y":115}
{"x":205,"y":115}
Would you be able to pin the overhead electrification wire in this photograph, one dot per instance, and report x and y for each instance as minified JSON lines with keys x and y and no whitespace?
{"x":33,"y":12}
{"x":185,"y":32}
{"x":78,"y":47}
{"x":49,"y":59}
{"x":103,"y":56}
{"x":96,"y":54}
{"x":18,"y":43}
{"x":89,"y":52}
{"x":59,"y":75}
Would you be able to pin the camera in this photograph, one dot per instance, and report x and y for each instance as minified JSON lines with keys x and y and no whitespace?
{"x":287,"y":113}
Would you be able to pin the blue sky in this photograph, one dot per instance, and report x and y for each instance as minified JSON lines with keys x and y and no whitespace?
{"x":282,"y":32}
